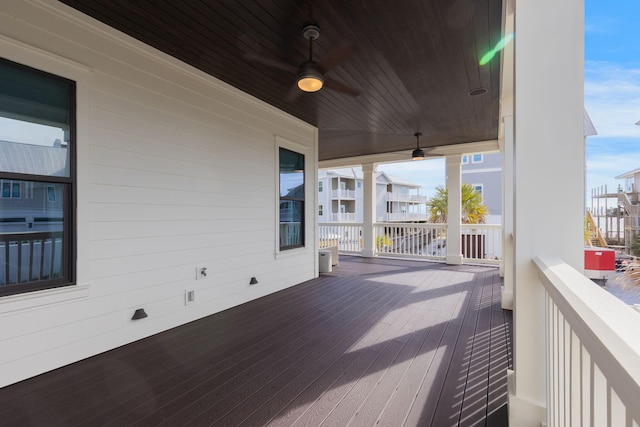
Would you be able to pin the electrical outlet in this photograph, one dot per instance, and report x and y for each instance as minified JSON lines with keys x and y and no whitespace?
{"x":189,"y":296}
{"x":201,"y":273}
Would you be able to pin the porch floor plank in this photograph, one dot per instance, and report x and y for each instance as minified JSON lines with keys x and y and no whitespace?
{"x":377,"y":342}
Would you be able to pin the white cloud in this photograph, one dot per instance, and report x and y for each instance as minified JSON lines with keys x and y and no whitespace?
{"x":612,"y":99}
{"x":608,"y":158}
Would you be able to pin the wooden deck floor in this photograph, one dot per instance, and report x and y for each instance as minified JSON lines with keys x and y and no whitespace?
{"x":377,"y":342}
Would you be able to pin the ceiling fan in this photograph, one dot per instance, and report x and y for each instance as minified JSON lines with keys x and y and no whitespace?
{"x":311,"y":75}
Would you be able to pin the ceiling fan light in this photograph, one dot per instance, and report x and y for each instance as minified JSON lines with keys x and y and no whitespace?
{"x":418,"y":154}
{"x":309,"y":79}
{"x":310,"y":84}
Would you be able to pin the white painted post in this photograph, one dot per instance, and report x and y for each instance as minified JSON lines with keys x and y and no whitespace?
{"x":507,"y":213}
{"x":369,"y":209}
{"x":548,"y":187}
{"x":454,"y":210}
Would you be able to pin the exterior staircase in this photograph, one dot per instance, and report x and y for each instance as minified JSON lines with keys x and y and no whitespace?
{"x":593,"y":235}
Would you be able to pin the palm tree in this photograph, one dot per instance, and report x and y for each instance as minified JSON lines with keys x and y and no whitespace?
{"x":473,"y":211}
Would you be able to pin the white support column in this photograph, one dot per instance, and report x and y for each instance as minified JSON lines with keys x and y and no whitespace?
{"x":369,"y":209}
{"x":507,"y":212}
{"x":549,"y":187}
{"x":454,"y":210}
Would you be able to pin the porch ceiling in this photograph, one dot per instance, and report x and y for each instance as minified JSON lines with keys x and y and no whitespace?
{"x":414,"y":62}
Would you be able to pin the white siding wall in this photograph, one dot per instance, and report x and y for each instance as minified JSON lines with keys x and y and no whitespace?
{"x":175,"y":170}
{"x":381,"y":204}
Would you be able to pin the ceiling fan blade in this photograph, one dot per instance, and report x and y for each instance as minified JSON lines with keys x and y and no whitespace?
{"x":271,"y":62}
{"x":340,"y":87}
{"x":336,"y":56}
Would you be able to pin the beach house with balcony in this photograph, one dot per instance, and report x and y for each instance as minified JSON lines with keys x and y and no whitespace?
{"x":340,"y":197}
{"x":186,"y":136}
{"x":629,"y":205}
{"x":616,"y":212}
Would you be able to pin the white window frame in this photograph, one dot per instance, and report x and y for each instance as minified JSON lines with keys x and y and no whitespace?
{"x":11,"y":183}
{"x":473,"y":158}
{"x":475,"y":187}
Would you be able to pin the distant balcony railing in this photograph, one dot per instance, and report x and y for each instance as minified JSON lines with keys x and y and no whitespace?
{"x":30,"y":257}
{"x":343,"y":217}
{"x":593,"y":351}
{"x":343,"y":194}
{"x":406,"y":216}
{"x":404,"y":197}
{"x":481,"y":243}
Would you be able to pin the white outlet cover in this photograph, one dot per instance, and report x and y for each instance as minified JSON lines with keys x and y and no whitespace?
{"x":201,"y":273}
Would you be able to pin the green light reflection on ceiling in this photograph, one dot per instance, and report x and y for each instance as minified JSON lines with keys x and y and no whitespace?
{"x":498,"y":47}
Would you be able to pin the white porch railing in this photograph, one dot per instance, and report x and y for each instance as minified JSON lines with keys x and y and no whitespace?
{"x":343,"y":217}
{"x":30,"y":257}
{"x":593,"y":352}
{"x":348,"y":236}
{"x":481,"y":243}
{"x":406,"y":216}
{"x":343,"y":194}
{"x":404,"y":197}
{"x":290,"y":233}
{"x":411,"y":240}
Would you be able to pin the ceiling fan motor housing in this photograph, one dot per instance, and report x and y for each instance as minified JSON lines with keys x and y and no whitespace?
{"x":311,"y":32}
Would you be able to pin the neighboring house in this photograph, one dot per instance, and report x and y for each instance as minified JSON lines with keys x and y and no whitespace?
{"x":29,"y":206}
{"x":631,"y":182}
{"x":340,"y":197}
{"x":617,"y":212}
{"x":484,"y":172}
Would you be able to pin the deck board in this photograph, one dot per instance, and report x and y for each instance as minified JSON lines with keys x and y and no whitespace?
{"x":377,"y":342}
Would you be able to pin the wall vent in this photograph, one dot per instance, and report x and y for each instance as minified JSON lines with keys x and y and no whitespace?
{"x":189,"y":296}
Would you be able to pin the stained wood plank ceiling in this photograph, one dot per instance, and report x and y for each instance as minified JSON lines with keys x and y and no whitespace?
{"x":413,"y":61}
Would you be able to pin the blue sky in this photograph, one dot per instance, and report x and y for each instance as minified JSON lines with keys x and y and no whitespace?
{"x":612,"y":99}
{"x":612,"y":89}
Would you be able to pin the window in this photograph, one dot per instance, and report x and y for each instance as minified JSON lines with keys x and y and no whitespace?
{"x":10,"y":189}
{"x":37,"y":173}
{"x":51,"y":193}
{"x":478,"y":188}
{"x":476,"y":158}
{"x":465,"y":160}
{"x":291,"y":199}
{"x":320,"y":186}
{"x":320,"y":210}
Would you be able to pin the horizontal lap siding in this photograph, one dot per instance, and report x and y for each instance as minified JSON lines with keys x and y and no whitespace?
{"x":175,"y":170}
